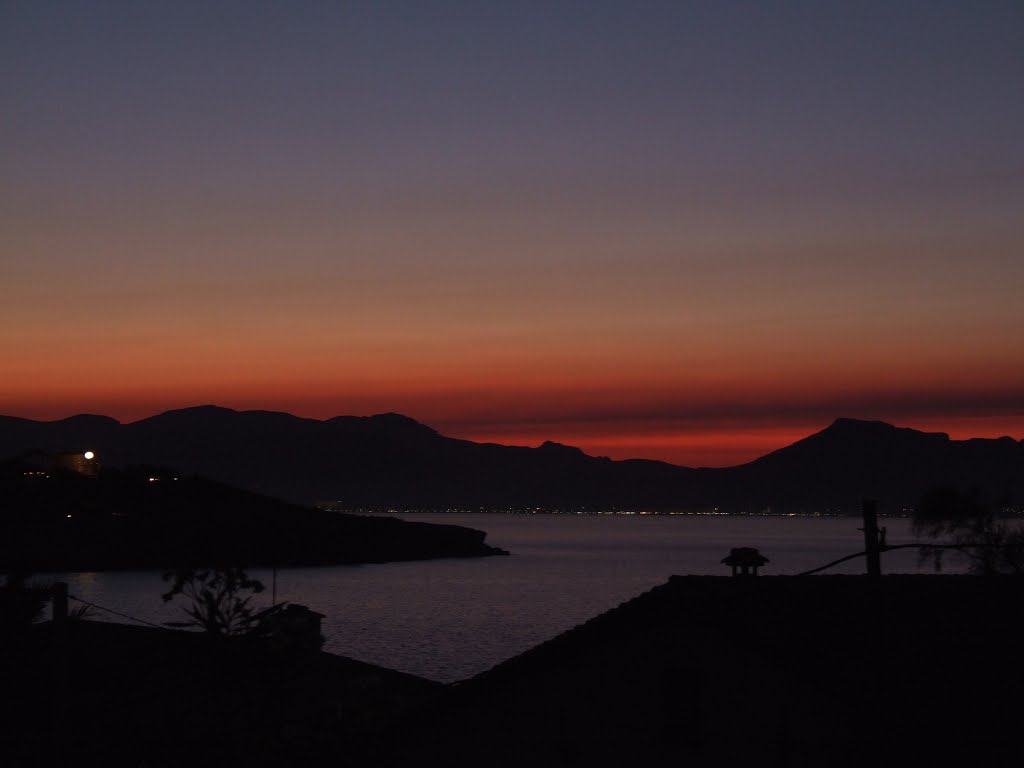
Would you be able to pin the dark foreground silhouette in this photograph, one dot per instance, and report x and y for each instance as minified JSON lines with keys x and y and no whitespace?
{"x":704,"y":671}
{"x":92,"y":693}
{"x":776,"y":671}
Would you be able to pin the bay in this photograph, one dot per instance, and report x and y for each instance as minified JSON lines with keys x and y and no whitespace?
{"x":450,"y":619}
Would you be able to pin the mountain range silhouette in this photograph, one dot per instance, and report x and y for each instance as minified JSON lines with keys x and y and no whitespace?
{"x":392,"y":461}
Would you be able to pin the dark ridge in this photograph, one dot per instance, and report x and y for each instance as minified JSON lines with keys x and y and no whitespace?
{"x":392,"y":461}
{"x":559,"y":448}
{"x":89,"y":421}
{"x":195,"y":412}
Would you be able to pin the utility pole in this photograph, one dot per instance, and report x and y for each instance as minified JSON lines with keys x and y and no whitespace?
{"x":872,"y":541}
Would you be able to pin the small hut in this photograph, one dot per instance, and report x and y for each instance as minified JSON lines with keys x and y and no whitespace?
{"x":744,"y":561}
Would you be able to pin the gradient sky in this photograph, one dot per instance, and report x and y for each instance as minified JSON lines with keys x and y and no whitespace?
{"x":693,"y":231}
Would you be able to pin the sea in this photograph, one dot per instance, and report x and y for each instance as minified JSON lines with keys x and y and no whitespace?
{"x":450,"y":619}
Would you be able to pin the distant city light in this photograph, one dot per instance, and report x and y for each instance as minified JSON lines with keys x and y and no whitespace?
{"x":89,"y":454}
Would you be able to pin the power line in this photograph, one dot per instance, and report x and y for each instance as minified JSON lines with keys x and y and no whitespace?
{"x":888,"y":547}
{"x":116,"y":613}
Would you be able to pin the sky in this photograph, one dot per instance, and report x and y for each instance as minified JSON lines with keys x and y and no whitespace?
{"x":690,"y":231}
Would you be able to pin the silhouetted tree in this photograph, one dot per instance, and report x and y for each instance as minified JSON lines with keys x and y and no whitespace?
{"x":964,"y":521}
{"x":219,"y":598}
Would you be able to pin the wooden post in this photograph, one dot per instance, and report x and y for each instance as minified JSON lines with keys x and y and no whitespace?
{"x":871,"y":543}
{"x":60,"y":602}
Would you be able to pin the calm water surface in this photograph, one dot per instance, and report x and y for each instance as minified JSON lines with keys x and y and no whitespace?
{"x":450,"y":619}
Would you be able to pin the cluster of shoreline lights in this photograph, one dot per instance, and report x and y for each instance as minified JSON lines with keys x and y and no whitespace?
{"x":768,"y":512}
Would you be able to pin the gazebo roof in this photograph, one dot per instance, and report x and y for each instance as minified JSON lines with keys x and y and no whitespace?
{"x":745,"y":556}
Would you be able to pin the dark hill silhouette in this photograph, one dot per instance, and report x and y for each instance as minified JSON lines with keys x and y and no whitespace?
{"x":391,"y":460}
{"x":854,"y":459}
{"x":150,"y":517}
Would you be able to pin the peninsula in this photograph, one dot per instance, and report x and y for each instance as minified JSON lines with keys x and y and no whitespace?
{"x":60,"y":519}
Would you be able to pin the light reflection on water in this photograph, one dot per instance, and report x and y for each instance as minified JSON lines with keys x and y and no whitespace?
{"x":450,"y":619}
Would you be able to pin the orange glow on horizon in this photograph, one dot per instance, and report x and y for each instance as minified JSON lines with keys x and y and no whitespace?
{"x":730,"y":446}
